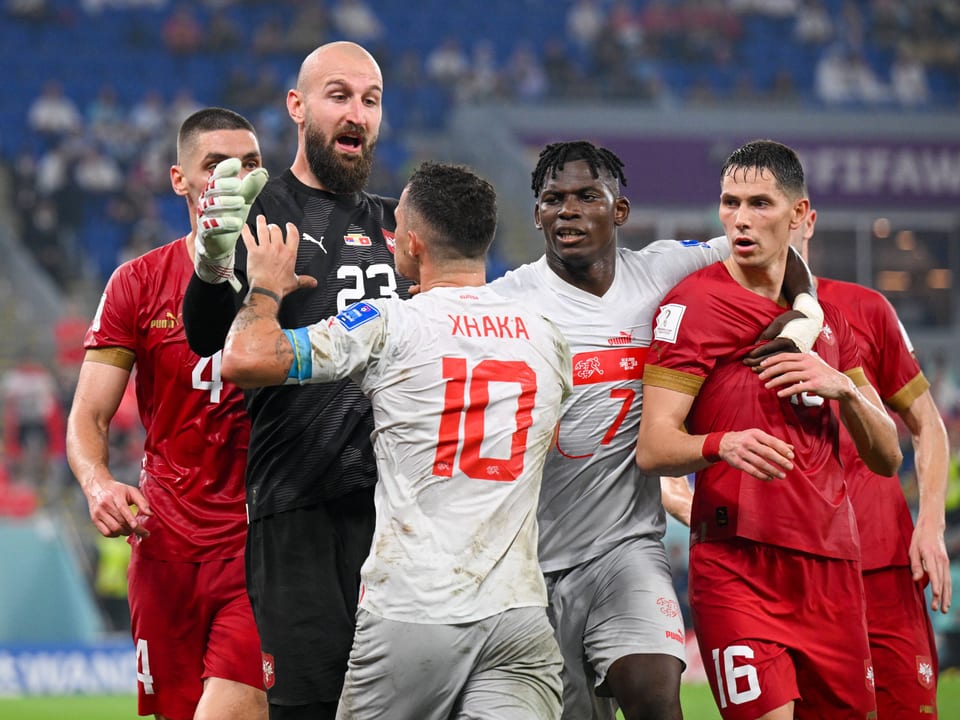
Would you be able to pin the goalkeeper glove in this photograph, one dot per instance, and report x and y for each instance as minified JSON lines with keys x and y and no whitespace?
{"x":222,"y":210}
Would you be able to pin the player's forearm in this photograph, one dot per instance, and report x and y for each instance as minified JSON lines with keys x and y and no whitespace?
{"x":931,"y":457}
{"x":873,"y":432}
{"x":797,"y":277}
{"x":257,"y":352}
{"x":88,"y":449}
{"x":208,"y":310}
{"x":668,"y":451}
{"x":677,"y":497}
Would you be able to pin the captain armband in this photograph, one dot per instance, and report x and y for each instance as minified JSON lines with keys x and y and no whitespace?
{"x":301,"y":369}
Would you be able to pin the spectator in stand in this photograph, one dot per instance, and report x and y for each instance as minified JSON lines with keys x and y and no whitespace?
{"x":269,"y":38}
{"x":223,"y":34}
{"x":908,"y":78}
{"x":356,"y":21}
{"x":182,"y":31}
{"x":309,"y":26}
{"x":586,"y":20}
{"x":524,"y":76}
{"x":447,"y":63}
{"x":53,"y":114}
{"x":33,"y":423}
{"x":814,"y":25}
{"x":482,"y":81}
{"x":148,"y":117}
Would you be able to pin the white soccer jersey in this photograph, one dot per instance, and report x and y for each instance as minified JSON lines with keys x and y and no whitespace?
{"x":593,"y":495}
{"x":466,"y":387}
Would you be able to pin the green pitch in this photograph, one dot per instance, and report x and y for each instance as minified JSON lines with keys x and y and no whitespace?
{"x":696,"y":700}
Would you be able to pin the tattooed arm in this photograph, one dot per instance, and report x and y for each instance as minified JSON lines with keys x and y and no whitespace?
{"x":257,"y":351}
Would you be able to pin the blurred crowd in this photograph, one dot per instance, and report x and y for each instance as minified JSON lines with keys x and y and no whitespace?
{"x":90,"y":172}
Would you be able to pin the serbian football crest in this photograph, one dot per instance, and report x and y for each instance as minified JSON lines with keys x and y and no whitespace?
{"x":391,"y":241}
{"x":925,"y":671}
{"x":268,"y":675}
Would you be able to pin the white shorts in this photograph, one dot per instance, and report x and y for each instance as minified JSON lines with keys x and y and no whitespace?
{"x":621,"y":603}
{"x":505,"y":667}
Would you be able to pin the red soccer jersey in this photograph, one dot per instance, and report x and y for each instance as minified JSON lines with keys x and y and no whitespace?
{"x":705,"y":326}
{"x":890,"y":366}
{"x":196,"y":425}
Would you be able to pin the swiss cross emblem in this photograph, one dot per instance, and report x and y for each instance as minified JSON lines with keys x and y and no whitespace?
{"x":925,"y":671}
{"x":268,"y":674}
{"x":587,"y":368}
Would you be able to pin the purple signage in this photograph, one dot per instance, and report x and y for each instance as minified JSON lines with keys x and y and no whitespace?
{"x":684,"y":171}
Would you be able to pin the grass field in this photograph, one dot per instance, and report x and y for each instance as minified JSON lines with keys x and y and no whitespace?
{"x":696,"y":700}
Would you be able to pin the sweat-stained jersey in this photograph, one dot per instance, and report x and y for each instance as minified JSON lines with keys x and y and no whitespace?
{"x":883,"y":516}
{"x":312,"y":444}
{"x":466,"y":387}
{"x":593,"y":495}
{"x":196,"y":426}
{"x":706,"y":325}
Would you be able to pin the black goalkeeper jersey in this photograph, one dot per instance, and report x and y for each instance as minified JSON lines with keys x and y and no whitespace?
{"x":310,"y":442}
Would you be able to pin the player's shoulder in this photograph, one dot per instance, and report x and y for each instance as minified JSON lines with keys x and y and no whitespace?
{"x":841,"y":292}
{"x":522,"y":279}
{"x":153,"y":264}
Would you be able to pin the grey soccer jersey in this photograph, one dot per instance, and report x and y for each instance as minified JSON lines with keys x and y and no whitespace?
{"x":593,"y":495}
{"x":466,"y":387}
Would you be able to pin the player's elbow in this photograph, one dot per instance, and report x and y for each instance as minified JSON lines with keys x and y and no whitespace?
{"x":648,"y":457}
{"x":885,"y":460}
{"x":242,"y":368}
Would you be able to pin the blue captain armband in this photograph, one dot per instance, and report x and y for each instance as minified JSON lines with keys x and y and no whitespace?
{"x":302,"y":366}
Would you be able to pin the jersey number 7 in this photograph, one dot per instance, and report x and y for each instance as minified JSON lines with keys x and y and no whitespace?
{"x":462,"y":424}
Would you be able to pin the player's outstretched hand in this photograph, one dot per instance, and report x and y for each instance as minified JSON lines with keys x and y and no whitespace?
{"x":222,"y":211}
{"x":756,"y":453}
{"x":109,"y":504}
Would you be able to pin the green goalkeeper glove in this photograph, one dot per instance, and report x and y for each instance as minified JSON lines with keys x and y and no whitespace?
{"x":222,"y":210}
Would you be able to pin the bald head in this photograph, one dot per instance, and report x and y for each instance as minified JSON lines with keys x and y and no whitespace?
{"x":336,"y":58}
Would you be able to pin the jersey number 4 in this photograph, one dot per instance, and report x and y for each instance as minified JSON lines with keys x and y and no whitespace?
{"x":215,"y":384}
{"x":462,"y":424}
{"x":143,"y":666}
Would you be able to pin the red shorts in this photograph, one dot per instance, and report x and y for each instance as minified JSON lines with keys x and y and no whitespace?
{"x":902,"y":644}
{"x":775,"y":625}
{"x":190,"y":621}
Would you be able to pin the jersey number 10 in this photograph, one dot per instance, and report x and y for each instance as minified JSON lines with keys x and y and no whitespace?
{"x":462,"y":424}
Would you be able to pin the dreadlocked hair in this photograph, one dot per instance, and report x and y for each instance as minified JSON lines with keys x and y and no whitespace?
{"x":555,"y":155}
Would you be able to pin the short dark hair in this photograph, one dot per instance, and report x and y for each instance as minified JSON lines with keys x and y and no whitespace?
{"x":208,"y":119}
{"x":780,"y":160}
{"x":458,"y":205}
{"x":555,"y":155}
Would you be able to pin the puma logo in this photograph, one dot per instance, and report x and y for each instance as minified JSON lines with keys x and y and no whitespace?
{"x":308,"y":236}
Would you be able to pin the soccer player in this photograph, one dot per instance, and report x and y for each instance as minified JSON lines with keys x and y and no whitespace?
{"x":311,"y":467}
{"x":775,"y":584}
{"x":897,"y":558}
{"x":612,"y":599}
{"x":466,"y":387}
{"x":198,"y":654}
